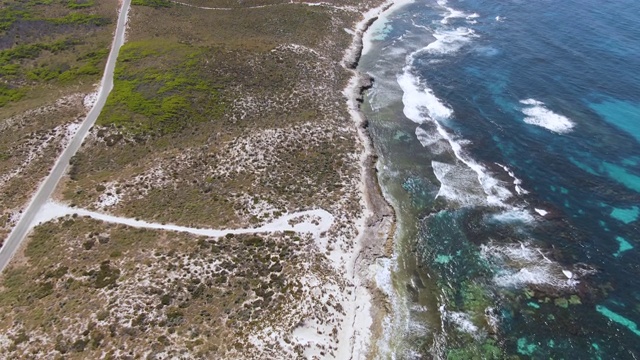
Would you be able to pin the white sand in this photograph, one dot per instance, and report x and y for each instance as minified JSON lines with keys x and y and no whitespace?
{"x":90,"y":100}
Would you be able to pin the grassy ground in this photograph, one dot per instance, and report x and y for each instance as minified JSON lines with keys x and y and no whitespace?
{"x":191,"y":85}
{"x":51,"y":45}
{"x":158,"y":90}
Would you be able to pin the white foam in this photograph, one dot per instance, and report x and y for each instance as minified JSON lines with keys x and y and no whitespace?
{"x":516,"y":181}
{"x":495,"y":192}
{"x":458,"y":184}
{"x":454,"y":13}
{"x":368,"y":36}
{"x":531,"y":102}
{"x":514,"y":253}
{"x":533,"y":275}
{"x":420,"y":26}
{"x":449,"y":40}
{"x":417,"y":102}
{"x":425,"y":138}
{"x":463,"y":321}
{"x":513,"y":215}
{"x":382,"y":269}
{"x":525,"y":265}
{"x":431,"y":140}
{"x":487,"y":51}
{"x":541,"y":212}
{"x":568,"y":274}
{"x":537,"y":114}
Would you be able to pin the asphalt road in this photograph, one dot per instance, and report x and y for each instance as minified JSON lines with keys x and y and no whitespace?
{"x":43,"y":194}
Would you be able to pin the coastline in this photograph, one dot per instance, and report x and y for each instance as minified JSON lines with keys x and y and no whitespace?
{"x":284,"y":225}
{"x":377,"y":226}
{"x":366,"y":305}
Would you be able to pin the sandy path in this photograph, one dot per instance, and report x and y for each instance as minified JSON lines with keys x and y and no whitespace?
{"x":345,"y":8}
{"x":312,"y":221}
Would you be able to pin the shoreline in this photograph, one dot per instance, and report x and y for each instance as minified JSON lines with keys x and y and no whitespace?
{"x":377,"y":227}
{"x":366,"y":305}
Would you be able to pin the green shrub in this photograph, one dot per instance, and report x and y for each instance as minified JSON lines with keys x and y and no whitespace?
{"x":32,"y":51}
{"x":152,"y":3}
{"x":79,"y":4}
{"x":9,"y":95}
{"x":9,"y":15}
{"x":80,"y":19}
{"x":12,"y":66}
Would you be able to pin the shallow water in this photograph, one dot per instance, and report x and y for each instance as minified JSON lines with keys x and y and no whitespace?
{"x":509,"y":135}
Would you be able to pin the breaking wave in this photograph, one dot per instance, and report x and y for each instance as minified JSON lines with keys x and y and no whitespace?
{"x":421,"y":106}
{"x":537,"y":114}
{"x":521,"y":264}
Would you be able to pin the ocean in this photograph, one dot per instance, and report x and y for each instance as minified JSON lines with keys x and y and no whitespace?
{"x":509,"y":141}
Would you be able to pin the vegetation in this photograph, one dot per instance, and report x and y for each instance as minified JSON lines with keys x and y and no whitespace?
{"x":79,"y":4}
{"x":42,"y":49}
{"x":8,"y":94}
{"x":181,"y":297}
{"x":12,"y":60}
{"x":33,"y":51}
{"x":9,"y":15}
{"x":148,"y":98}
{"x":38,"y":10}
{"x":152,"y":3}
{"x":487,"y":350}
{"x":185,"y":97}
{"x":52,"y":52}
{"x":80,"y":19}
{"x":212,"y":115}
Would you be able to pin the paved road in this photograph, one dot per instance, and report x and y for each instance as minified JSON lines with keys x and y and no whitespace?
{"x":46,"y":188}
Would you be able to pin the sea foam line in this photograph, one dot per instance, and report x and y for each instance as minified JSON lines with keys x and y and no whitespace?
{"x":516,"y":181}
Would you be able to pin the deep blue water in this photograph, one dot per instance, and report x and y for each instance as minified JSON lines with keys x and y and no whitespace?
{"x":550,"y":91}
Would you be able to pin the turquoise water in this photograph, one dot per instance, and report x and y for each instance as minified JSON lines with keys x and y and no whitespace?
{"x":621,"y":114}
{"x":509,"y":135}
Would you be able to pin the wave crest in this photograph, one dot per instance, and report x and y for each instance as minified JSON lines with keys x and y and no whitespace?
{"x":537,"y":114}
